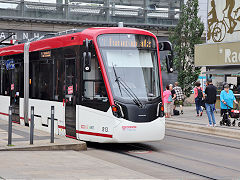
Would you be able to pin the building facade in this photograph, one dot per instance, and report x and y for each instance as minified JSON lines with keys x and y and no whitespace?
{"x":220,"y":55}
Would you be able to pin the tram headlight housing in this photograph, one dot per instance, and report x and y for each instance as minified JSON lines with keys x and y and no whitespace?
{"x":117,"y":110}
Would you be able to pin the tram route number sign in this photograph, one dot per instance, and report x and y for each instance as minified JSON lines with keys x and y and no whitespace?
{"x":10,"y":64}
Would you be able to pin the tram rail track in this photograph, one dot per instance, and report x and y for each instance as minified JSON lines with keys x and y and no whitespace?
{"x":182,"y":169}
{"x":217,"y":144}
{"x":134,"y":151}
{"x":131,"y":147}
{"x":170,"y":166}
{"x":202,"y":141}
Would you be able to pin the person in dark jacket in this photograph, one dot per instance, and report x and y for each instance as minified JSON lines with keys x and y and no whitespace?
{"x":210,"y":100}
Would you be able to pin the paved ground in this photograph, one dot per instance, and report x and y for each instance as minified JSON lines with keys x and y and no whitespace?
{"x":190,"y":122}
{"x":21,"y":136}
{"x":189,"y":116}
{"x":61,"y":165}
{"x":181,"y":155}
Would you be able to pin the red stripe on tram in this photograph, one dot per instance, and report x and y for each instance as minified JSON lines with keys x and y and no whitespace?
{"x":62,"y":127}
{"x":94,"y":134}
{"x":3,"y":114}
{"x":70,"y":136}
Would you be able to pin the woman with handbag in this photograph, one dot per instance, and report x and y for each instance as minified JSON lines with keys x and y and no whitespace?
{"x":167,"y":99}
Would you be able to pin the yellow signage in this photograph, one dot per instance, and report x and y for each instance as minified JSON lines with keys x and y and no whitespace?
{"x":125,"y":40}
{"x":217,"y":54}
{"x":46,"y":54}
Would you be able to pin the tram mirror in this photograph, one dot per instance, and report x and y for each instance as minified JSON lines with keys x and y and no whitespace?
{"x":165,"y":46}
{"x":87,"y":61}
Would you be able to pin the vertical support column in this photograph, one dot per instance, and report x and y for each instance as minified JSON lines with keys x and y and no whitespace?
{"x":52,"y":124}
{"x":10,"y":126}
{"x":206,"y":28}
{"x":22,"y":8}
{"x":107,"y":10}
{"x":26,"y":81}
{"x":66,"y":8}
{"x":59,"y":6}
{"x":171,"y":11}
{"x":145,"y":12}
{"x":32,"y":125}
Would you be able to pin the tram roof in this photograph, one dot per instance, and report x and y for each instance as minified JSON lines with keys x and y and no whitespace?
{"x":69,"y":39}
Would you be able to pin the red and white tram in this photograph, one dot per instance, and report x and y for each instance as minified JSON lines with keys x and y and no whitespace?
{"x":105,"y":84}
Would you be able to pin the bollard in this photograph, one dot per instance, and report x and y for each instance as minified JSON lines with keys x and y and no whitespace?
{"x":10,"y":127}
{"x":32,"y":125}
{"x":52,"y":124}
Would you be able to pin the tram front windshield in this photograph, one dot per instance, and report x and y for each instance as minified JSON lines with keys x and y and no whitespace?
{"x":132,"y":66}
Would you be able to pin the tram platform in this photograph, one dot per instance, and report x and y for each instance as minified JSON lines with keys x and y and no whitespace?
{"x":190,"y":122}
{"x":21,"y":140}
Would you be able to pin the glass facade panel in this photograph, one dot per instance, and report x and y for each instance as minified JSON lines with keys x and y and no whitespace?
{"x":143,"y":12}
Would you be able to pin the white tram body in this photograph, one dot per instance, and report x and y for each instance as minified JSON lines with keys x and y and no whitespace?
{"x":104,"y":83}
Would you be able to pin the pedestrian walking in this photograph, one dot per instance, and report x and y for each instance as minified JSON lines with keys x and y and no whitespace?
{"x":167,"y":99}
{"x":198,"y":94}
{"x":173,"y":97}
{"x":210,"y":100}
{"x":179,"y":97}
{"x":226,"y":100}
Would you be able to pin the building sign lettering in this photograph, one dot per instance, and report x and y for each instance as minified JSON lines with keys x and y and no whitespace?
{"x":232,"y":56}
{"x":218,"y":54}
{"x":20,"y":35}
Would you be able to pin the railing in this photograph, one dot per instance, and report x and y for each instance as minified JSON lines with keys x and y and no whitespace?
{"x":143,"y":12}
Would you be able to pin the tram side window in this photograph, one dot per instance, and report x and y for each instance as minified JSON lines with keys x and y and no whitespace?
{"x":59,"y":79}
{"x":94,"y":91}
{"x":11,"y":73}
{"x":5,"y":82}
{"x":41,"y":86}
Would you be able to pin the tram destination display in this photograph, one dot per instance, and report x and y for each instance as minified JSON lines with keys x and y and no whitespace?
{"x":126,"y":41}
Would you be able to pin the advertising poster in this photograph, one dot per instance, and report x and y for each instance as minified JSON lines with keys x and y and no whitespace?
{"x":223,"y":21}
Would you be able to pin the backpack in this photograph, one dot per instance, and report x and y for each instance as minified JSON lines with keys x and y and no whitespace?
{"x":170,"y":98}
{"x":200,"y":93}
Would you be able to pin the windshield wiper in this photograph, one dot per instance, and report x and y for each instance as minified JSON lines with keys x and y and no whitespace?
{"x":117,"y":79}
{"x":127,"y":89}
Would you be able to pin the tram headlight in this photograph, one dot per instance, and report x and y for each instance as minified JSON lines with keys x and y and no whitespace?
{"x":162,"y":111}
{"x":117,"y":111}
{"x":114,"y":109}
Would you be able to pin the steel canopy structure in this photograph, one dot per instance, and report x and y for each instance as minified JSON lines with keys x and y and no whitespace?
{"x":141,"y":13}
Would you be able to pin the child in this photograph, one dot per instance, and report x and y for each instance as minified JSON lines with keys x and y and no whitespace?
{"x":167,"y":99}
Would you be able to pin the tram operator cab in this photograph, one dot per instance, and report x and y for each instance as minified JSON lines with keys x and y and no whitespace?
{"x":110,"y":82}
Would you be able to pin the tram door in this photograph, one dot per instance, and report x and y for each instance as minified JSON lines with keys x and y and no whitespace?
{"x":14,"y":92}
{"x":70,"y":97}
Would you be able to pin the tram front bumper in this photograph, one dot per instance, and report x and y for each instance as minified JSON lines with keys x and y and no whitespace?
{"x":131,"y":132}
